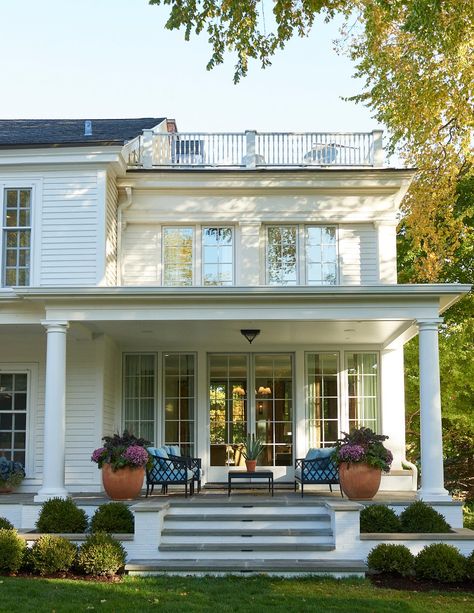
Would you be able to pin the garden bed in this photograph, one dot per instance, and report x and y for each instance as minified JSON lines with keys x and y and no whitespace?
{"x":396,"y":582}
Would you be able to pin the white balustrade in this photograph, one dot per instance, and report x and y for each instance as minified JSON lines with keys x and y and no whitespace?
{"x":255,"y":149}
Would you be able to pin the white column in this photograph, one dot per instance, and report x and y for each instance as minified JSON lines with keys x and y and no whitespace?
{"x":432,"y":473}
{"x":54,"y":413}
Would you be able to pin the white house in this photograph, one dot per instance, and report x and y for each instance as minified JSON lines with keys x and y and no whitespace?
{"x":132,"y":258}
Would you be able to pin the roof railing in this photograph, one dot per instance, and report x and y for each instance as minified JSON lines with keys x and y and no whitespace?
{"x":255,"y":149}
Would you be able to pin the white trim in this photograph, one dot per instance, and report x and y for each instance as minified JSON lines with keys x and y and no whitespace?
{"x":101,"y":227}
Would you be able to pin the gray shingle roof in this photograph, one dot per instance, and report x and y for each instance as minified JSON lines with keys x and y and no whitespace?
{"x":24,"y":132}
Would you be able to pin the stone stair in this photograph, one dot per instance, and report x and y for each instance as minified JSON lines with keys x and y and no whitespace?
{"x":246,"y":537}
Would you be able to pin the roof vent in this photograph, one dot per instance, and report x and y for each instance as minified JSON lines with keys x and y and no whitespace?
{"x":88,"y":127}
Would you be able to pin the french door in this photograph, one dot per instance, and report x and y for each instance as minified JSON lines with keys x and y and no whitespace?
{"x":250,"y":394}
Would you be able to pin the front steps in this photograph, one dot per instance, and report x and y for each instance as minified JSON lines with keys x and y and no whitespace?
{"x":219,"y":537}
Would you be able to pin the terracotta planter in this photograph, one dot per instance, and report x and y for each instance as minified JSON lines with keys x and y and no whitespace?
{"x":123,"y":484}
{"x":359,"y":481}
{"x":251,"y":465}
{"x":5,"y":489}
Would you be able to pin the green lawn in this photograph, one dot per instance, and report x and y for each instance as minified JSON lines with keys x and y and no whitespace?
{"x":175,"y":594}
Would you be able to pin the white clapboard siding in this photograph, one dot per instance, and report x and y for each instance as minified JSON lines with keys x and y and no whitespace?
{"x":140,"y":255}
{"x":110,"y":417}
{"x":69,"y":223}
{"x":111,"y":233}
{"x":358,"y":254}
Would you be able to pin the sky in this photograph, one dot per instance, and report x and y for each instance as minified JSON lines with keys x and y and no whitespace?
{"x":114,"y":58}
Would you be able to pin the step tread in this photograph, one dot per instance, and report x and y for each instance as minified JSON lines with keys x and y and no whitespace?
{"x":251,"y":502}
{"x":244,"y":531}
{"x":243,"y":547}
{"x":262,"y":565}
{"x":245,"y":517}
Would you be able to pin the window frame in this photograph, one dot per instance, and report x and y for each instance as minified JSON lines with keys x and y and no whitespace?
{"x":301,"y":257}
{"x":202,"y":262}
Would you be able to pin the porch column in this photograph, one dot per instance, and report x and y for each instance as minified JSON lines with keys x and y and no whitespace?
{"x":54,"y":412}
{"x":432,"y":473}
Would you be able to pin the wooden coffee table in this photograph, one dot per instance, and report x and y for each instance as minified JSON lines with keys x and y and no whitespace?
{"x":245,"y":475}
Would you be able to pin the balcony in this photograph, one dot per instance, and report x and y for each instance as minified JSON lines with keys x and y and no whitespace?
{"x":255,"y":150}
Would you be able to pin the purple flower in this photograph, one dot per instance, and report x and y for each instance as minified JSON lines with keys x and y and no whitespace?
{"x":97,"y":454}
{"x":352,"y":453}
{"x":135,"y":455}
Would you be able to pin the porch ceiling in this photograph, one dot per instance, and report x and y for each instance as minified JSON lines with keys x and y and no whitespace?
{"x":226,"y":334}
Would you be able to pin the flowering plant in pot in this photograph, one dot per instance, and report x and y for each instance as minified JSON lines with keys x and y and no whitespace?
{"x":361,"y":457}
{"x":11,"y":474}
{"x":122,"y":459}
{"x":253,"y":448}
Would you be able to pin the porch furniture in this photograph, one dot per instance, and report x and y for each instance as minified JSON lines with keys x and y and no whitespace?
{"x":167,"y":471}
{"x":245,"y":475}
{"x":193,"y":464}
{"x":317,"y":468}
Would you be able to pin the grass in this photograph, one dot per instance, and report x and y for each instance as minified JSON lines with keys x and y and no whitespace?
{"x":227,"y":594}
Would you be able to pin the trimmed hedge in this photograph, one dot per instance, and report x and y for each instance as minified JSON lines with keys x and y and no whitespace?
{"x":113,"y":517}
{"x":441,"y":562}
{"x":396,"y":559}
{"x":101,"y":554}
{"x":5,"y":524}
{"x":61,"y":515}
{"x":379,"y":518}
{"x":52,"y":554}
{"x":470,"y":566}
{"x":421,"y":517}
{"x":12,"y":549}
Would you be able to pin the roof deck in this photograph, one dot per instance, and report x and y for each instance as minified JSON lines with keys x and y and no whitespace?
{"x":253,"y":149}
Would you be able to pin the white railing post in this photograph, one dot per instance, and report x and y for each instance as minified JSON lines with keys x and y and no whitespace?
{"x":250,"y":157}
{"x":147,"y":149}
{"x":377,"y":136}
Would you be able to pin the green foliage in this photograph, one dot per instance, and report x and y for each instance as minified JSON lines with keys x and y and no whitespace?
{"x":396,"y":559}
{"x":420,"y":517}
{"x":12,"y":548}
{"x":113,"y":517}
{"x":61,"y":515}
{"x":52,"y":554}
{"x":440,"y":562}
{"x":100,"y":554}
{"x":470,"y":566}
{"x":379,"y":518}
{"x":253,"y":448}
{"x":468,"y":515}
{"x":5,"y":524}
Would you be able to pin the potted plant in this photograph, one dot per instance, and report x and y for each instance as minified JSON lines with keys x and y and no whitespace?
{"x":11,"y":475}
{"x":122,"y":459}
{"x":253,"y":448}
{"x":361,"y":457}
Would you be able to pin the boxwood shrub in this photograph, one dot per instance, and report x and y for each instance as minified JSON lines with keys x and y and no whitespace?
{"x":113,"y":517}
{"x":100,"y":554}
{"x":470,"y":566}
{"x":52,"y":554}
{"x":379,"y":518}
{"x":441,"y":562}
{"x":5,"y":524}
{"x":421,"y":517}
{"x":12,"y":549}
{"x":396,"y":559}
{"x":61,"y":515}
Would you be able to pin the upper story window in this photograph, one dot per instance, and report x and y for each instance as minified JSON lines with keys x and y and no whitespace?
{"x":217,"y":256}
{"x":16,"y":256}
{"x":298,"y":255}
{"x":198,"y":255}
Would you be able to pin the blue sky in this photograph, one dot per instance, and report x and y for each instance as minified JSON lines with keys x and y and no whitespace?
{"x":114,"y":58}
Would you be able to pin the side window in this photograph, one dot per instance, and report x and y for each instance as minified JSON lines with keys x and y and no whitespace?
{"x":16,"y":239}
{"x":13,"y":410}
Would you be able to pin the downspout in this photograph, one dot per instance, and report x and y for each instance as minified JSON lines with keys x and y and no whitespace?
{"x":124,"y":203}
{"x":414,"y":474}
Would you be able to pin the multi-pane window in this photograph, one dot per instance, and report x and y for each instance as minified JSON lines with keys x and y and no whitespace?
{"x":16,"y":237}
{"x":217,"y":256}
{"x":179,"y":400}
{"x":322,"y":399}
{"x":228,"y":398}
{"x":301,"y":255}
{"x":321,"y":263}
{"x":274,"y":408}
{"x":139,"y":387}
{"x":282,"y":255}
{"x":13,"y":409}
{"x":178,"y":247}
{"x":362,"y":374}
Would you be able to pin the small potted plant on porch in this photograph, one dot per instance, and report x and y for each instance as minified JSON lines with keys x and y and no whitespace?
{"x":11,"y":475}
{"x":122,"y":459}
{"x":361,"y":457}
{"x":253,"y":448}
